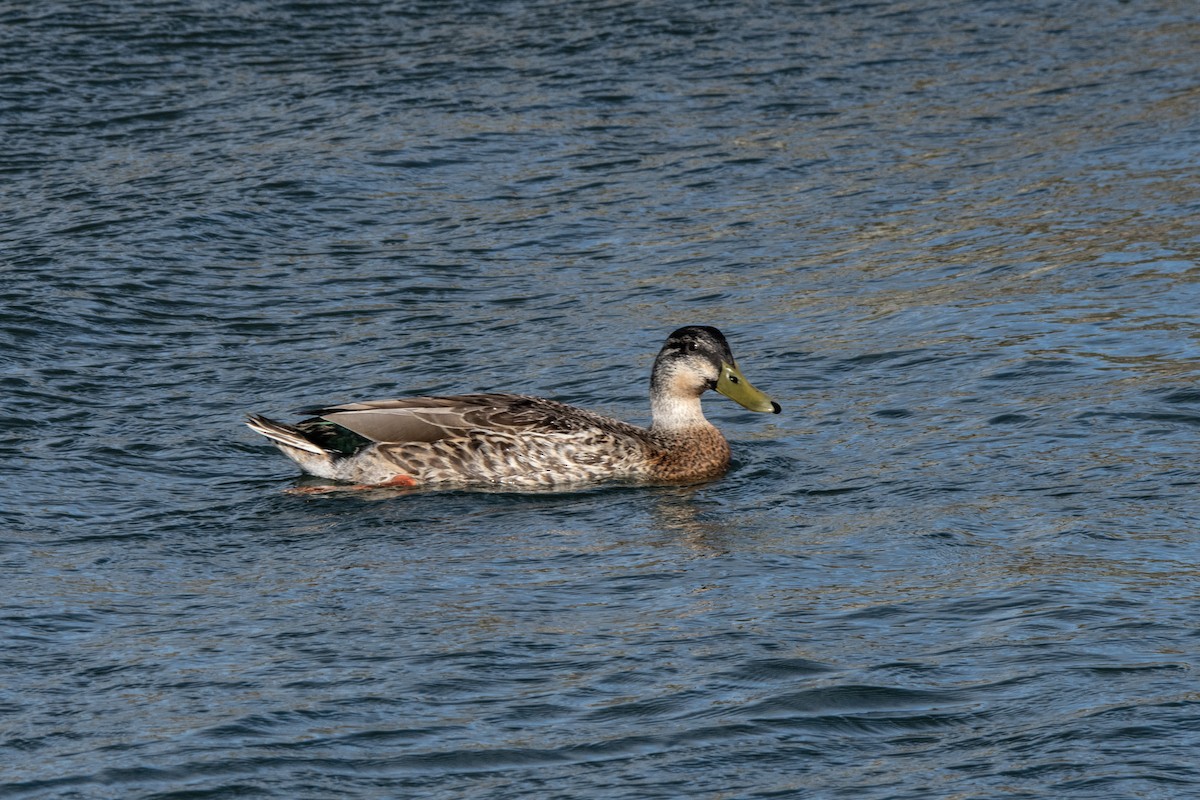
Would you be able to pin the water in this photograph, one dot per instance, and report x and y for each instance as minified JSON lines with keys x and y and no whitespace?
{"x":957,"y":241}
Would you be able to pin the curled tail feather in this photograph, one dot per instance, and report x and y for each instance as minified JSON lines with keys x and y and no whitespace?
{"x":284,"y":435}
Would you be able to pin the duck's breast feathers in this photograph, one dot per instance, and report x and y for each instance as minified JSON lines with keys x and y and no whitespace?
{"x":430,"y":419}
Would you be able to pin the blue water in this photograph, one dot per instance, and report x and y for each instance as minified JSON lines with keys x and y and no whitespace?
{"x":958,"y":241}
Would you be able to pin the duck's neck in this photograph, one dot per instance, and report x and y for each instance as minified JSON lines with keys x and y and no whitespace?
{"x":688,"y":447}
{"x":676,"y":414}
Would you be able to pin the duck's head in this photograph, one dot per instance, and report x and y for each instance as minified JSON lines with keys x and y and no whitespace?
{"x":697,"y":358}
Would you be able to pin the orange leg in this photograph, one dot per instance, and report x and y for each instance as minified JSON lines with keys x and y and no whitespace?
{"x":397,"y":480}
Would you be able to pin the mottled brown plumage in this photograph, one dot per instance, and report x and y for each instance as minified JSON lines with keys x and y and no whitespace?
{"x":524,"y":442}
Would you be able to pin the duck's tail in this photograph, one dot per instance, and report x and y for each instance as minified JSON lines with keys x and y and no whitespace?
{"x":286,"y":436}
{"x":295,"y":445}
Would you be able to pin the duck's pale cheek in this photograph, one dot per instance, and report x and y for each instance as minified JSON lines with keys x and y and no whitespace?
{"x":684,"y":384}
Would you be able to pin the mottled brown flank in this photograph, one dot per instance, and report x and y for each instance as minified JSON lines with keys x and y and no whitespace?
{"x":540,"y":459}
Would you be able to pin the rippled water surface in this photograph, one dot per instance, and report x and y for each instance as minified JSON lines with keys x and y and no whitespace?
{"x":958,"y":241}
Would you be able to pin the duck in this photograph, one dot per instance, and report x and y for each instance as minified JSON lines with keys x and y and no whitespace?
{"x":522,"y":442}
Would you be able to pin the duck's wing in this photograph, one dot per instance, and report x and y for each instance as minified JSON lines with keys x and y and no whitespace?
{"x":429,"y":419}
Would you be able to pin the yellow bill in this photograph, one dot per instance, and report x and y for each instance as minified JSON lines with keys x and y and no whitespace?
{"x":733,"y":384}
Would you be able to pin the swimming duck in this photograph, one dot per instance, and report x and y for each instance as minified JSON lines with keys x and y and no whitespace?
{"x":522,"y":442}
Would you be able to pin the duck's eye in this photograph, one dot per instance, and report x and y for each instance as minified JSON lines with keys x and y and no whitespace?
{"x":690,"y":347}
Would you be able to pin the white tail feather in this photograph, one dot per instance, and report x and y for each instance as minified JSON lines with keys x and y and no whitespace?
{"x":284,"y":435}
